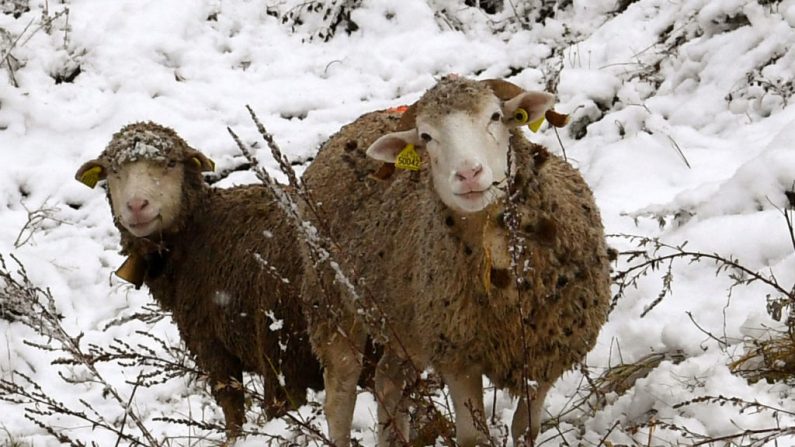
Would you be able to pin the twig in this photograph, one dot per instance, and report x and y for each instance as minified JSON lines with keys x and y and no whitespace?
{"x":517,"y":251}
{"x":14,"y":43}
{"x":41,"y":315}
{"x":34,"y":223}
{"x":604,"y":438}
{"x":45,"y":23}
{"x":323,"y":250}
{"x":773,"y":433}
{"x":652,"y":261}
{"x":722,"y":343}
{"x":563,"y":148}
{"x":126,"y":413}
{"x":679,"y":150}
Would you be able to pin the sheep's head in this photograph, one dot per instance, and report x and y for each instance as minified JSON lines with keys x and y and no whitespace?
{"x":464,"y":127}
{"x":146,"y":166}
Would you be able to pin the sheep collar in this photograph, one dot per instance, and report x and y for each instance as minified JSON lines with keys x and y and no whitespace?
{"x":139,"y":266}
{"x":133,"y":270}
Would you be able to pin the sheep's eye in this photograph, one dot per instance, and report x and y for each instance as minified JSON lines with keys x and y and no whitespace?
{"x":172,"y":163}
{"x":425,"y":137}
{"x":496,"y":116}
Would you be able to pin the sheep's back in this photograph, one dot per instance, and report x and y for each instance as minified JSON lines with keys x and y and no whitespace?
{"x":340,"y":177}
{"x":567,"y":279}
{"x":363,"y":215}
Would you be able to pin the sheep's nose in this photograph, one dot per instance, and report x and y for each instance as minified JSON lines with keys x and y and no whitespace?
{"x":137,"y":205}
{"x":468,"y":175}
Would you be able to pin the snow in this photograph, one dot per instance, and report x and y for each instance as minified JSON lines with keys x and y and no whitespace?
{"x":653,"y":88}
{"x":276,"y":324}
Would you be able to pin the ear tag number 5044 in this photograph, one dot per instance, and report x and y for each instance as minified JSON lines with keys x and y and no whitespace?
{"x":408,"y":159}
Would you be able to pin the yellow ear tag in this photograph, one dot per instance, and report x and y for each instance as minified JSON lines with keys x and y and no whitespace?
{"x":408,"y":159}
{"x":535,"y":125}
{"x":201,"y":166}
{"x":520,"y":116}
{"x":91,"y":176}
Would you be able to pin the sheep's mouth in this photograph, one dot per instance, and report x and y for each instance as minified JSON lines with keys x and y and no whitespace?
{"x":143,"y":223}
{"x":145,"y":227}
{"x":473,"y":195}
{"x":491,"y":191}
{"x":476,"y":200}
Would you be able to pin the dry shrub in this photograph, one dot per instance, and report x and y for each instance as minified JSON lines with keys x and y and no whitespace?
{"x":771,"y":359}
{"x":618,"y":379}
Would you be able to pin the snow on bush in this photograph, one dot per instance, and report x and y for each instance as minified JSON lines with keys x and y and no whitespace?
{"x":681,"y":112}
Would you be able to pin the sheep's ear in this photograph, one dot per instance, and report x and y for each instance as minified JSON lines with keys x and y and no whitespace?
{"x":528,"y":108}
{"x":408,"y":120}
{"x":503,"y":89}
{"x":91,"y":173}
{"x":200,"y":160}
{"x":390,"y":145}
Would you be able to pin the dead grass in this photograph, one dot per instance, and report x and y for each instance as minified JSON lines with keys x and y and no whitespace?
{"x":619,"y":379}
{"x":771,"y":359}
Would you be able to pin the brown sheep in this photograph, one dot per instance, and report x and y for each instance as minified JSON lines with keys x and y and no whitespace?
{"x":433,"y":249}
{"x":222,"y":261}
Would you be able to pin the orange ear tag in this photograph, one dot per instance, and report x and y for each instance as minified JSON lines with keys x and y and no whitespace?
{"x":535,"y":125}
{"x":557,"y":119}
{"x":408,"y":159}
{"x":91,"y":176}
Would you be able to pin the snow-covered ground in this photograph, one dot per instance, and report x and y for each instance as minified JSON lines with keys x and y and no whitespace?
{"x":690,"y":123}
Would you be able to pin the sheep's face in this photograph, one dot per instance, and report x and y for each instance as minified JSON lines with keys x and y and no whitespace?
{"x":467,"y":153}
{"x":146,"y":195}
{"x":146,"y":165}
{"x":466,"y":139}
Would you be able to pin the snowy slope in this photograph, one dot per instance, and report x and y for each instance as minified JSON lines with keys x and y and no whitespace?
{"x":653,"y":86}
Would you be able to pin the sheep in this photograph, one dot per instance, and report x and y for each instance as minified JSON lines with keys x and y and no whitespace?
{"x":222,"y":261}
{"x":433,"y":247}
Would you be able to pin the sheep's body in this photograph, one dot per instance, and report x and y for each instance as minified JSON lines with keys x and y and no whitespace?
{"x":444,"y":279}
{"x":234,"y":312}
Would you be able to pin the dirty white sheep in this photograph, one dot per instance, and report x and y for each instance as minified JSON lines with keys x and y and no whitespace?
{"x":432,"y":247}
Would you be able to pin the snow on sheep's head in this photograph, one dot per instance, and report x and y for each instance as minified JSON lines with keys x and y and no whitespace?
{"x":465,"y":126}
{"x":145,"y":165}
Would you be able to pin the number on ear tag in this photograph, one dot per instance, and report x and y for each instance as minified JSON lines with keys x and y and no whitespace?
{"x":408,"y":159}
{"x":91,"y":176}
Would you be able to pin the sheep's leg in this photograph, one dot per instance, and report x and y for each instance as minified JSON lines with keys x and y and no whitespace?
{"x":393,"y":418}
{"x":343,"y":365}
{"x":520,"y":418}
{"x":466,"y":390}
{"x":226,"y":379}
